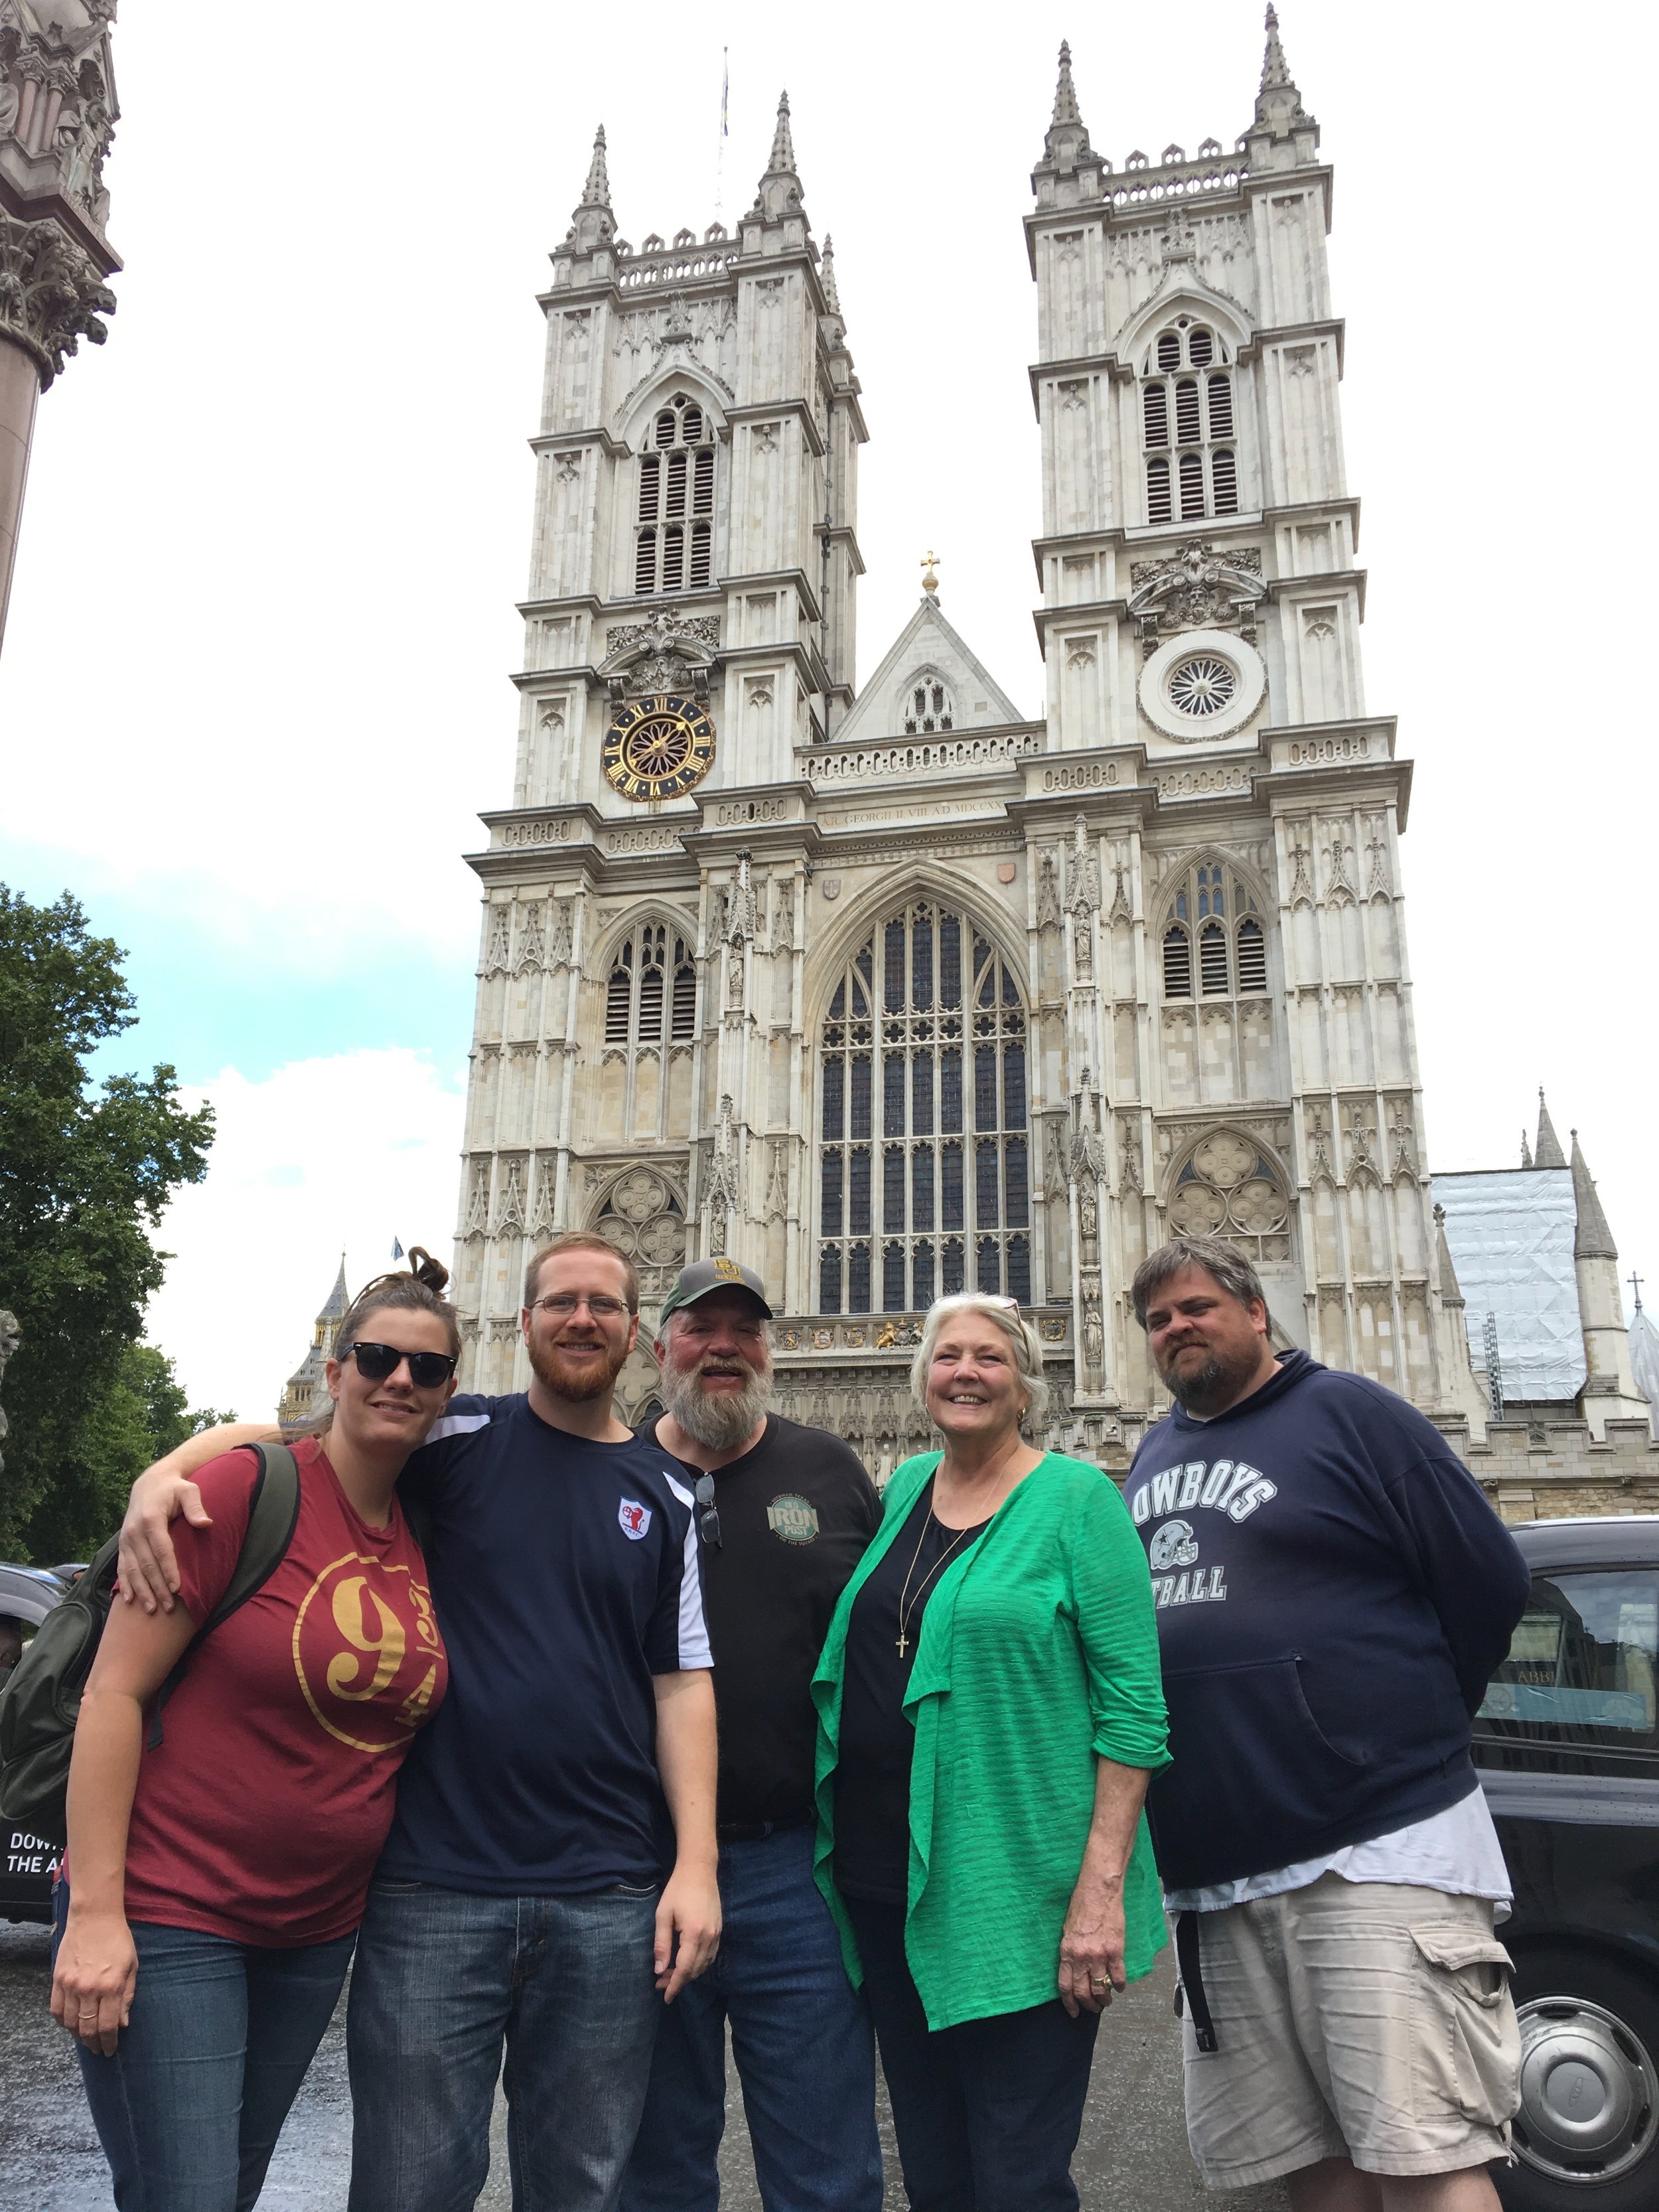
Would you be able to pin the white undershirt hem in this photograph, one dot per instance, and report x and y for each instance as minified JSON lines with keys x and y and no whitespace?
{"x":1456,"y":1851}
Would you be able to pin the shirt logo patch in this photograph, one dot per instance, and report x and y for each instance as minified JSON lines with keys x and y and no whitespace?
{"x":791,"y":1517}
{"x":728,"y":1271}
{"x":366,"y":1652}
{"x":635,"y":1519}
{"x":1173,"y":1546}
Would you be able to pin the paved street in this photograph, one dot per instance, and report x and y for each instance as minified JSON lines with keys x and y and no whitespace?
{"x":1132,"y":2157}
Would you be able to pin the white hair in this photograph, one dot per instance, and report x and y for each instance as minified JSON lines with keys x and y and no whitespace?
{"x":1028,"y":1348}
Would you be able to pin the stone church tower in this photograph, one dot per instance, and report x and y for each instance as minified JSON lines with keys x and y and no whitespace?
{"x":888,"y":993}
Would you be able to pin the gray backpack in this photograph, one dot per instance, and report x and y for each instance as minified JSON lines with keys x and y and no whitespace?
{"x":42,"y":1694}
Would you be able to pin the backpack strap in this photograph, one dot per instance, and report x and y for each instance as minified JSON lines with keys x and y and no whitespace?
{"x":273,"y":1514}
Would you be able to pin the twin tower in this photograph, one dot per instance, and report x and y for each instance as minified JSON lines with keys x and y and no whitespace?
{"x":887,"y":990}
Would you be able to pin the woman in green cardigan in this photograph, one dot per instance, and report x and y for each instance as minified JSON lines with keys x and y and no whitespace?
{"x":989,"y":1712}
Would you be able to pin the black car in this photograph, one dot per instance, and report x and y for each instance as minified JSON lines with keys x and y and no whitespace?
{"x":1567,"y":1744}
{"x":27,"y":1594}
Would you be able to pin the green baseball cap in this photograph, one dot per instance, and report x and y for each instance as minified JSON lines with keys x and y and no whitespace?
{"x":703,"y":1276}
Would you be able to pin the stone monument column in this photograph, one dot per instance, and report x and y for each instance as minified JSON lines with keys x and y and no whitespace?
{"x":58,"y":111}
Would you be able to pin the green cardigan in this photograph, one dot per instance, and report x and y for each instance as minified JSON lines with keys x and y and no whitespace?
{"x":1038,"y":1651}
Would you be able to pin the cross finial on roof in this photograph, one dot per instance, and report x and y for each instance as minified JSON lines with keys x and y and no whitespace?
{"x":930,"y":581}
{"x":1635,"y":1282}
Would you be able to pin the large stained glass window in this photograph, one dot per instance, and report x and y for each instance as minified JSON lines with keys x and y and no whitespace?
{"x":923,"y":1161}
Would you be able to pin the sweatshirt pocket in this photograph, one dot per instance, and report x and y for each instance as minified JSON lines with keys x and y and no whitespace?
{"x":1251,"y":1767}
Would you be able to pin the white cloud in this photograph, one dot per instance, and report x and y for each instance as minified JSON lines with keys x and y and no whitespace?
{"x":325,"y":1155}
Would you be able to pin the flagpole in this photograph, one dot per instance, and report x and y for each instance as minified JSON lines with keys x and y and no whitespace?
{"x":720,"y":153}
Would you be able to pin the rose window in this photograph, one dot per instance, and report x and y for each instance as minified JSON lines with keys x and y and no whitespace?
{"x":1202,"y":686}
{"x":641,"y":1217}
{"x":1230,"y":1188}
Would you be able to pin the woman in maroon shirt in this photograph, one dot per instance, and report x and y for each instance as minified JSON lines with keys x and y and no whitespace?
{"x":215,"y":1878}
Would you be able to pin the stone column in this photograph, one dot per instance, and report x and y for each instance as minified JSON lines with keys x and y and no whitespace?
{"x":57,"y":117}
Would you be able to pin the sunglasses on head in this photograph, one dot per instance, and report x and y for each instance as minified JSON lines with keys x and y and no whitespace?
{"x":376,"y":1363}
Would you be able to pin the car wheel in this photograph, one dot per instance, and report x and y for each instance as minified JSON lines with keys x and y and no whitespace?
{"x":1587,"y":2135}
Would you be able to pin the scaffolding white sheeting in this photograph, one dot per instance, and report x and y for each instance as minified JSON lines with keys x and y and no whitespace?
{"x":1510,"y":1234}
{"x":1644,"y":1361}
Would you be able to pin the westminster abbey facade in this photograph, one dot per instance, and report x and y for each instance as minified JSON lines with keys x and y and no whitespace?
{"x":888,"y":991}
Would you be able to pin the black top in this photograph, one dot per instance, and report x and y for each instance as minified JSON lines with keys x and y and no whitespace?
{"x":796,"y":1514}
{"x":872,"y":1779}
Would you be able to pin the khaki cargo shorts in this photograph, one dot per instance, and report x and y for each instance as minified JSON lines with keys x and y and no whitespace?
{"x":1360,"y":2020}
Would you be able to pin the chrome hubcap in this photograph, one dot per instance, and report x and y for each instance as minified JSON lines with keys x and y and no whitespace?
{"x":1589,"y":2094}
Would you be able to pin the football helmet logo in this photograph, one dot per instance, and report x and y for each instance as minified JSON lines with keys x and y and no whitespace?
{"x":1173,"y":1546}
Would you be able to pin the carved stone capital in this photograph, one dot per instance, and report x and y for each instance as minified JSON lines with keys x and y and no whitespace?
{"x":52,"y":294}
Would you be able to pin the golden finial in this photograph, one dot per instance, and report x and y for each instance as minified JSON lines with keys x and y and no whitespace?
{"x":930,"y":581}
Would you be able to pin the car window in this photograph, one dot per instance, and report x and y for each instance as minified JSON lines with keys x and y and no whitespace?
{"x":1582,"y":1663}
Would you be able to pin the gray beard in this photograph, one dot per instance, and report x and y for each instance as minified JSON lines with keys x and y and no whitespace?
{"x":718,"y":1423}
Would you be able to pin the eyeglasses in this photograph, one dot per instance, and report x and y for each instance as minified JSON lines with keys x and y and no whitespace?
{"x":377,"y":1362}
{"x":709,"y":1520}
{"x":562,"y":1305}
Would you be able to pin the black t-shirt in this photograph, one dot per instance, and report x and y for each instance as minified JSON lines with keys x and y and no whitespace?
{"x":872,"y":1779}
{"x":796,"y":1514}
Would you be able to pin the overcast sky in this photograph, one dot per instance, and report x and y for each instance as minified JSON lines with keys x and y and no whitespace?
{"x":253,"y":692}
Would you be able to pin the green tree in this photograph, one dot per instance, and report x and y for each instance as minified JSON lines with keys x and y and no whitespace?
{"x":143,"y":1414}
{"x":84,"y":1176}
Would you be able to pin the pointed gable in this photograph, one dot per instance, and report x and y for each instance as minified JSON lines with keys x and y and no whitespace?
{"x":931,"y":656}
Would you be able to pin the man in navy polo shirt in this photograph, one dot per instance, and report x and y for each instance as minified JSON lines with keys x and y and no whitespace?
{"x":550,"y":1880}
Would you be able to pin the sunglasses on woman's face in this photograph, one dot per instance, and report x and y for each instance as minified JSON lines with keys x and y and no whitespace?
{"x":377,"y":1362}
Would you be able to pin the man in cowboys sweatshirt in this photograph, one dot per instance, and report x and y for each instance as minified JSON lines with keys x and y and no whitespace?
{"x":1333,"y":1592}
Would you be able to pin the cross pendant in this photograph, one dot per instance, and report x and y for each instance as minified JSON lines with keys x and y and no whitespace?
{"x":903,"y":1644}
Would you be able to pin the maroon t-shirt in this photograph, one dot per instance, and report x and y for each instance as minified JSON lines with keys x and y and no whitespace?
{"x":261,"y":1813}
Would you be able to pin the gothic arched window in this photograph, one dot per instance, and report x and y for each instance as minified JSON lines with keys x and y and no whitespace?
{"x":673,"y":549}
{"x":927,"y":705}
{"x":924,"y":1165}
{"x":1187,"y":387}
{"x":643,"y":1217}
{"x":1215,"y":943}
{"x":1229,"y":1188}
{"x":648,"y":998}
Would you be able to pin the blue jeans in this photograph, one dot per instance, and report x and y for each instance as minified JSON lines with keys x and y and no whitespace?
{"x":802,"y":2040}
{"x":190,"y":2106}
{"x":443,"y":1980}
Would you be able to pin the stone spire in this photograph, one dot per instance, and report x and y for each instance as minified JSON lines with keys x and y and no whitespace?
{"x":827,"y":274}
{"x":779,"y":193}
{"x":1610,"y":1391}
{"x":1445,"y":1274}
{"x":594,"y":223}
{"x":306,"y":1389}
{"x":1592,"y":1239}
{"x":1066,"y":140}
{"x":1526,"y":1151}
{"x":782,"y":163}
{"x":1275,"y":69}
{"x":1546,"y":1152}
{"x":1284,"y":134}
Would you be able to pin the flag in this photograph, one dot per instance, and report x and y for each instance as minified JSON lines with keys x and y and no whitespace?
{"x":397,"y":1249}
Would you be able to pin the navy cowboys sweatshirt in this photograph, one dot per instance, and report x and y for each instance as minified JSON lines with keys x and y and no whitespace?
{"x":1333,"y":1592}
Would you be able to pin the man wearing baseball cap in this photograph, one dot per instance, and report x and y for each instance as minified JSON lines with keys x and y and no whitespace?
{"x":783,"y":1514}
